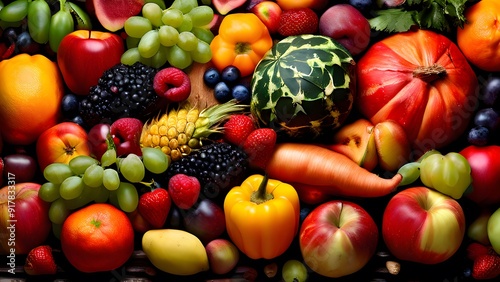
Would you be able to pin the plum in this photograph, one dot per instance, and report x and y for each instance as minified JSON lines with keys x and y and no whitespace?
{"x":347,"y":25}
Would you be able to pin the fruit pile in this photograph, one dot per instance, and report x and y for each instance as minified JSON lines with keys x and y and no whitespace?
{"x":250,"y":140}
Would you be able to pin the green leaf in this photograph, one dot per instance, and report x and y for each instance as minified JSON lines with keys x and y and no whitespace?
{"x":393,"y":20}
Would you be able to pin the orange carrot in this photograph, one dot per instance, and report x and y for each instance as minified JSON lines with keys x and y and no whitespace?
{"x":327,"y":171}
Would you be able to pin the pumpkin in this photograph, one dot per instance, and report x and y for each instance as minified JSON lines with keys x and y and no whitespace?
{"x":303,"y":86}
{"x":421,"y":80}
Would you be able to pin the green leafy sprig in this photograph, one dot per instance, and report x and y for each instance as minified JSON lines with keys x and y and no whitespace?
{"x":439,"y":15}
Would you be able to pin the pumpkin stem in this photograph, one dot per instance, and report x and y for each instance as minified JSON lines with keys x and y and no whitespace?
{"x":429,"y":73}
{"x":260,"y":196}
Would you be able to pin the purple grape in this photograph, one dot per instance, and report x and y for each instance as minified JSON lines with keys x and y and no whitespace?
{"x":491,"y":92}
{"x":478,"y":136}
{"x":488,"y":118}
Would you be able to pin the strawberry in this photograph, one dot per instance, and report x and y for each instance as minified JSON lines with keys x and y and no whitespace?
{"x":126,"y":134}
{"x":259,"y":146}
{"x":184,"y":190}
{"x":474,"y":250}
{"x":40,"y":261}
{"x":154,"y":207}
{"x":237,"y":129}
{"x":486,"y":266}
{"x":298,"y":21}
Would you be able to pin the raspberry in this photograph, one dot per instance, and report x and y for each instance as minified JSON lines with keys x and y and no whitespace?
{"x":173,"y":84}
{"x":184,"y":190}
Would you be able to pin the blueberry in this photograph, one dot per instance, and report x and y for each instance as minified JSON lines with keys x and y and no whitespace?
{"x":241,"y":93}
{"x":9,"y":35}
{"x":78,"y":120}
{"x":70,"y":105}
{"x":230,"y":74}
{"x":211,"y":77}
{"x":488,"y":118}
{"x":362,"y":5}
{"x":491,"y":92}
{"x":222,"y":92}
{"x":304,"y":212}
{"x":478,"y":136}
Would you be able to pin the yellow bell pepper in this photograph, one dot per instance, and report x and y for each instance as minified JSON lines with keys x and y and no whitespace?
{"x":242,"y":42}
{"x":262,"y":216}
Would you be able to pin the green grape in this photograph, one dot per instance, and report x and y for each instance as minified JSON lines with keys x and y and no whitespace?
{"x":201,"y":15}
{"x":155,"y":160}
{"x":57,"y":172}
{"x":153,"y":12}
{"x":130,"y":57}
{"x":186,"y":25}
{"x":58,"y":212}
{"x":160,"y":3}
{"x":80,"y":163}
{"x":179,"y":58}
{"x":203,"y":34}
{"x":15,"y":11}
{"x":56,"y":230}
{"x":127,"y":196}
{"x":108,"y":158}
{"x":187,"y":41}
{"x":49,"y":192}
{"x":202,"y":54}
{"x":71,"y":187}
{"x":410,"y":173}
{"x":132,"y":168}
{"x":149,"y":44}
{"x":93,"y":176}
{"x":137,"y":26}
{"x":185,"y":5}
{"x":132,"y":42}
{"x":113,"y":199}
{"x":172,"y":17}
{"x":110,"y":179}
{"x":83,"y":199}
{"x":101,"y":195}
{"x":160,"y":58}
{"x":146,"y":61}
{"x":294,"y":271}
{"x":169,"y":36}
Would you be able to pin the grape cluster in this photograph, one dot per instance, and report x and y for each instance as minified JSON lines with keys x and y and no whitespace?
{"x":486,"y":122}
{"x":178,"y":35}
{"x":85,"y":179}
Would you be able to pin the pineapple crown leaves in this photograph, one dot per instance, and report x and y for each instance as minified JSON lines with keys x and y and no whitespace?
{"x":439,"y":15}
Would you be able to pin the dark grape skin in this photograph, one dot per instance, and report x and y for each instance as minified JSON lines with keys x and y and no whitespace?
{"x":491,"y":93}
{"x":70,"y":105}
{"x":241,"y":93}
{"x":211,"y":77}
{"x":478,"y":136}
{"x":23,"y":166}
{"x":364,"y":6}
{"x":222,"y":92}
{"x":488,"y":118}
{"x":25,"y":44}
{"x":230,"y":74}
{"x":9,"y":35}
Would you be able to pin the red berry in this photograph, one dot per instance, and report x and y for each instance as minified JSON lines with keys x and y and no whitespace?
{"x":40,"y":261}
{"x":298,"y":21}
{"x":486,"y":267}
{"x":173,"y":84}
{"x":154,"y":207}
{"x":184,"y":190}
{"x":259,"y":147}
{"x":237,"y":129}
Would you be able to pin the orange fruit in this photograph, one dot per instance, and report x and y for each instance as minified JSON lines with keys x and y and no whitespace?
{"x":480,"y":37}
{"x":98,"y":237}
{"x":31,"y":89}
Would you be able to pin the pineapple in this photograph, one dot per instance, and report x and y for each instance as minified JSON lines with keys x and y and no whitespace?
{"x":180,"y":130}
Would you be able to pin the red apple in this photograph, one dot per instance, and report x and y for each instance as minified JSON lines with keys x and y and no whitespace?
{"x":84,"y":55}
{"x":223,"y":255}
{"x":338,"y":238}
{"x":422,"y":225}
{"x":269,"y":13}
{"x":485,"y":165}
{"x":61,"y":143}
{"x":139,"y":224}
{"x":24,"y":218}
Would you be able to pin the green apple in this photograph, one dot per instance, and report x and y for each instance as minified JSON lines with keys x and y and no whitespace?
{"x":478,"y":229}
{"x":494,"y":230}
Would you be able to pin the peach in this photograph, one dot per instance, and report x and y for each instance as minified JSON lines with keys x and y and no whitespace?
{"x":347,"y":25}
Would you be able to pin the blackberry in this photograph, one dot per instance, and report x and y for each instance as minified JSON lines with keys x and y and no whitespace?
{"x":122,"y":91}
{"x":219,"y":166}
